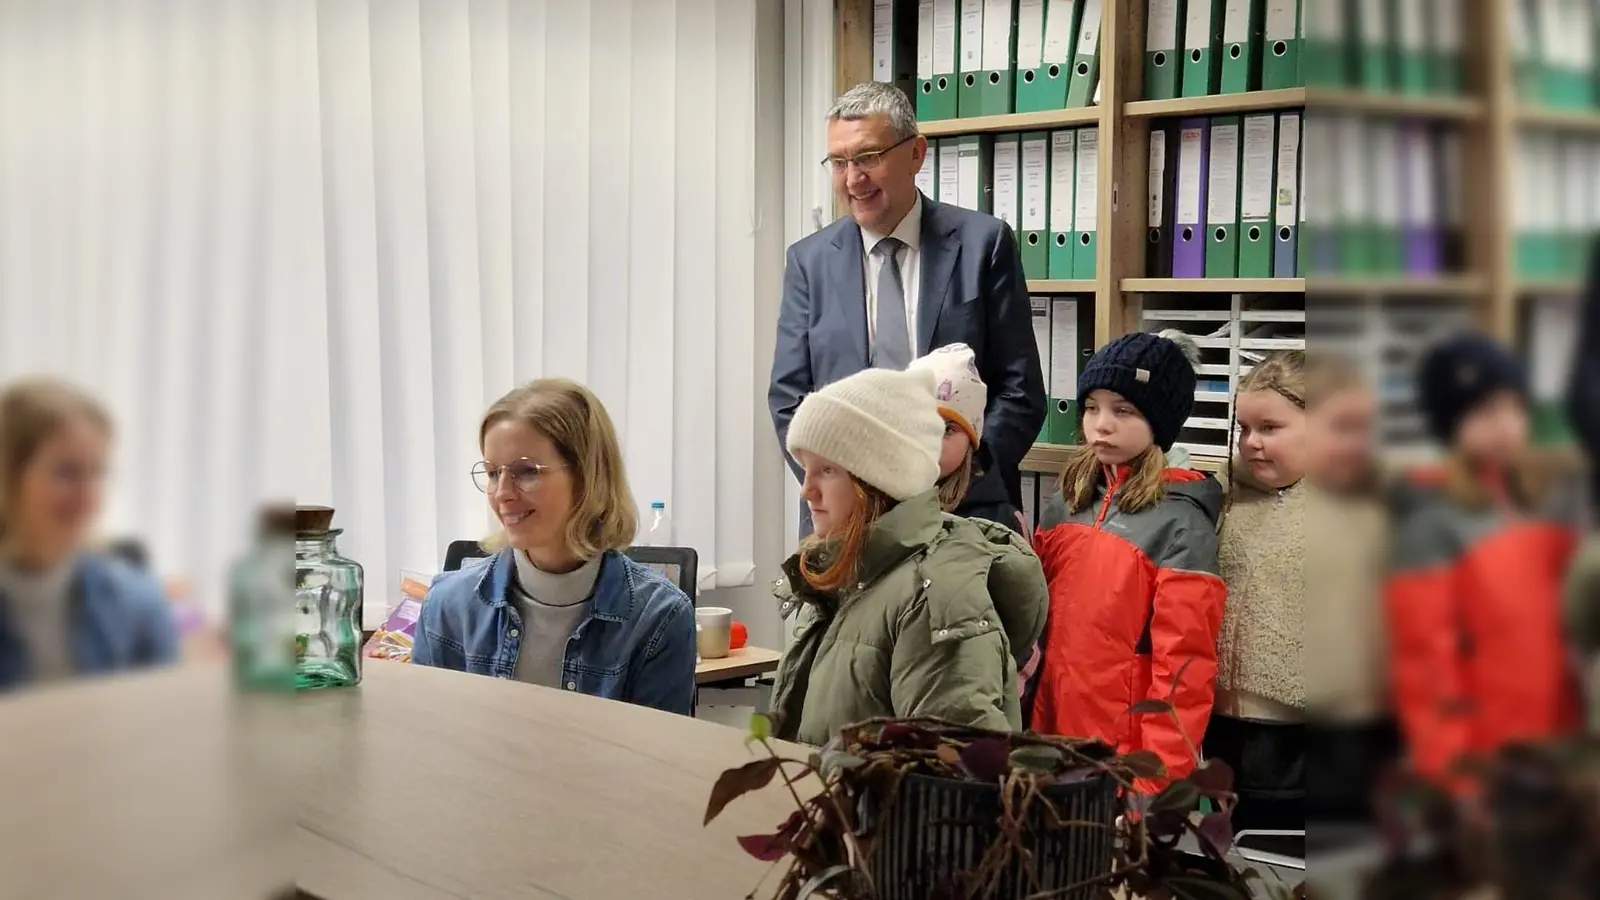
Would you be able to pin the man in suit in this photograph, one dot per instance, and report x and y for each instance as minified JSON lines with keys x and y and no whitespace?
{"x":900,"y":276}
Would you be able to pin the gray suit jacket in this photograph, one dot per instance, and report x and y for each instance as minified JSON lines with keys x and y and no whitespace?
{"x":973,"y":291}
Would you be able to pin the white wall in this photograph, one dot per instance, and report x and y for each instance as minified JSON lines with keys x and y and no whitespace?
{"x":301,"y":245}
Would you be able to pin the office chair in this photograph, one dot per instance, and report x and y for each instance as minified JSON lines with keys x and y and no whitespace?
{"x":680,"y":565}
{"x":460,"y":551}
{"x":130,"y":551}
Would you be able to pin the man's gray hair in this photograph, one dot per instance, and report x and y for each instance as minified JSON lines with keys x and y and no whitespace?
{"x":877,"y":98}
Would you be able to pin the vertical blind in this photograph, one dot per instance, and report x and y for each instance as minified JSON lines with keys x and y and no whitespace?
{"x":300,"y":246}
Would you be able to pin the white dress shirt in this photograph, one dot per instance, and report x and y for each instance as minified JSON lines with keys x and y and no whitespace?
{"x":908,"y":232}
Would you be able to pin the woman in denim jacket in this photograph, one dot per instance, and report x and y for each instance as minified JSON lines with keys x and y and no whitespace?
{"x":558,"y":604}
{"x":65,"y":610}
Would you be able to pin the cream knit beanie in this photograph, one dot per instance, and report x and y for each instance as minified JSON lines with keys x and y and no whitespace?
{"x":959,"y":388}
{"x":882,"y":426}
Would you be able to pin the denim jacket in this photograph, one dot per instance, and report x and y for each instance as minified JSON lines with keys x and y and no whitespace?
{"x":637,"y":643}
{"x":119,"y":620}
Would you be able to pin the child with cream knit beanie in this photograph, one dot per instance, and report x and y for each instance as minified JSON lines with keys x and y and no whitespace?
{"x":963,"y":460}
{"x":900,"y":608}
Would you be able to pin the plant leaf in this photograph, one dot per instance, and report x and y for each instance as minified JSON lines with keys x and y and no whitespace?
{"x":1213,"y":777}
{"x":1216,"y":829}
{"x":760,"y":729}
{"x":821,"y":879}
{"x":735,"y":783}
{"x":986,"y":758}
{"x":835,"y":760}
{"x":765,"y":847}
{"x":1038,"y":758}
{"x":1145,"y":764}
{"x":1188,"y":887}
{"x":1178,"y":797}
{"x":1152,"y":705}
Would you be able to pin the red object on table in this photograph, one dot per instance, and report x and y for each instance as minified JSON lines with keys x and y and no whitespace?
{"x":738,"y":636}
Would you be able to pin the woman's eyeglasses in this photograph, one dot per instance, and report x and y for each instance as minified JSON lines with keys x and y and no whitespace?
{"x":524,"y":475}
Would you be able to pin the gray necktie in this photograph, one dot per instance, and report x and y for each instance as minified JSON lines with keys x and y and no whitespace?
{"x":892,"y":347}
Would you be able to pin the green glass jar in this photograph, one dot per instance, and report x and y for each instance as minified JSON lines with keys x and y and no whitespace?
{"x":328,"y":593}
{"x":260,"y":586}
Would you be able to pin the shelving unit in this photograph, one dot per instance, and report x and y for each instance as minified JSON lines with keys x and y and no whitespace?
{"x":1121,"y":294}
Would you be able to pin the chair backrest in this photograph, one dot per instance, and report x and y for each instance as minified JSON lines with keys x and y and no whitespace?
{"x":130,"y":551}
{"x":680,"y":565}
{"x":460,"y":551}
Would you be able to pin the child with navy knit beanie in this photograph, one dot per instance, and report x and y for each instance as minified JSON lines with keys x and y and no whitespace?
{"x":1129,"y":547}
{"x":1481,"y":550}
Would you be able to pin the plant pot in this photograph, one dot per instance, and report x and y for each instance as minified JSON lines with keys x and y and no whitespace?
{"x":937,"y":830}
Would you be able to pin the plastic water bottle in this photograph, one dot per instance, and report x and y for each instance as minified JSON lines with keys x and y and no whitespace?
{"x":659,"y":534}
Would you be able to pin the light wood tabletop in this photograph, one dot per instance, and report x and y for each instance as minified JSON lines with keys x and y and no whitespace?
{"x":438,"y":784}
{"x":741,"y":663}
{"x":421,"y":783}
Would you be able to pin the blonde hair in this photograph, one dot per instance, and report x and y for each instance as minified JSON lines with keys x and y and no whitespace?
{"x":574,"y":420}
{"x":1144,"y":488}
{"x":31,"y":411}
{"x":953,"y":487}
{"x":839,"y":554}
{"x":1284,"y":373}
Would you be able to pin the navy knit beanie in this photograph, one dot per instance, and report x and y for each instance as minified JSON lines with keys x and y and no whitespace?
{"x":1155,"y":372}
{"x":1461,"y":372}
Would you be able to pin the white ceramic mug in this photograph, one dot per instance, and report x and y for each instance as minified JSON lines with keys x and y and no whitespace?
{"x":715,"y":630}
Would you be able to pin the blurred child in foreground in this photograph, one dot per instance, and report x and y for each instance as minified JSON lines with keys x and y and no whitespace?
{"x":1350,"y":730}
{"x":1481,"y":551}
{"x":65,"y":609}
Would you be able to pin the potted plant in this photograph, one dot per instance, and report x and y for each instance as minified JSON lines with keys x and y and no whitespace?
{"x":924,"y":809}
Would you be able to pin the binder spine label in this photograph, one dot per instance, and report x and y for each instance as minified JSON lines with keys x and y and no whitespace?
{"x":1088,"y":203}
{"x":1281,"y":20}
{"x":1035,"y":157}
{"x":1161,"y":26}
{"x":944,"y":37}
{"x":1158,"y":177}
{"x":1255,"y":193}
{"x":1189,"y":175}
{"x":1288,"y":168}
{"x":1063,"y":164}
{"x":1222,"y":197}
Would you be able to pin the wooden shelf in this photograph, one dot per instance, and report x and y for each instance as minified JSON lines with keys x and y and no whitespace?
{"x":1217,"y":104}
{"x":1558,"y":119}
{"x":1547,"y":287}
{"x":1454,"y":286}
{"x":1061,"y":285}
{"x":1372,"y":103}
{"x":1049,"y":459}
{"x":1028,"y":121}
{"x":1214,"y":285}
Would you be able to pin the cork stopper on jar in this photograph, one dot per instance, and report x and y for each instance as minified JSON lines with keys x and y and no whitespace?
{"x":313,"y":519}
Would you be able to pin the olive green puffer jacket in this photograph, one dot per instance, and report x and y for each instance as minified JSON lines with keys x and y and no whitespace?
{"x":928,"y":629}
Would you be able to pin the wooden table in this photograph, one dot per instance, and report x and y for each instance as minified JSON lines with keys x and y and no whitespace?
{"x":421,"y":783}
{"x":741,"y":663}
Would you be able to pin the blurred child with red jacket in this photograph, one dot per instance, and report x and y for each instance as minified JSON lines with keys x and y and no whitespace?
{"x":1482,"y":547}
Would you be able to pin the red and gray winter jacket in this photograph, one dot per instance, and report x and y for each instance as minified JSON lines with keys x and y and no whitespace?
{"x":1134,"y":598}
{"x":1473,"y":608}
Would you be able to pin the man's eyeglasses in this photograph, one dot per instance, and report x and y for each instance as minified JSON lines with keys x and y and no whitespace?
{"x":524,"y":475}
{"x":866,"y":162}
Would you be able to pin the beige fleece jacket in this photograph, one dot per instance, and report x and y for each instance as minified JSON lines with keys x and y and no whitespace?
{"x":1261,"y":647}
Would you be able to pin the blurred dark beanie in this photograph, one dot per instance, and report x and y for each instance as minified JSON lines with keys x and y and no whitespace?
{"x":1461,"y":372}
{"x":1155,"y":372}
